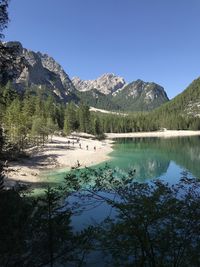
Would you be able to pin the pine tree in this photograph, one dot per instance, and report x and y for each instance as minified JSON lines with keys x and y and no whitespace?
{"x":70,"y":120}
{"x":51,"y":127}
{"x":84,"y":118}
{"x":39,"y":129}
{"x":97,"y":128}
{"x":3,"y":16}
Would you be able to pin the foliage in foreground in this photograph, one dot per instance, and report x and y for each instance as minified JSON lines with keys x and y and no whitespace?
{"x":151,"y":224}
{"x":37,"y":232}
{"x":155,"y":224}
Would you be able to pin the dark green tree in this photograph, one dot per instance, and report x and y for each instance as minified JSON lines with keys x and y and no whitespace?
{"x":70,"y":119}
{"x":3,"y":16}
{"x":84,"y":118}
{"x":153,"y":224}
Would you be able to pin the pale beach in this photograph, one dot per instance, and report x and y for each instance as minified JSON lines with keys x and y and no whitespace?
{"x":62,"y":152}
{"x":164,"y":134}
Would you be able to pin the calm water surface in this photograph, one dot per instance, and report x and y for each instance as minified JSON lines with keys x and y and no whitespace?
{"x":151,"y":158}
{"x":164,"y":158}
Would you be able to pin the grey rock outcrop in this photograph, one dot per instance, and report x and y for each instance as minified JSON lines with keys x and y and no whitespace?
{"x":41,"y":70}
{"x":106,"y":84}
{"x":50,"y":64}
{"x":148,"y":90}
{"x":140,"y":95}
{"x":27,"y":68}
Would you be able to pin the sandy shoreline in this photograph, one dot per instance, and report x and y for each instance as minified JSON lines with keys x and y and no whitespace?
{"x":165,"y":134}
{"x":58,"y":154}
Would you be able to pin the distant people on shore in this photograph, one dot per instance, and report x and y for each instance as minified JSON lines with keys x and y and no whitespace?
{"x":79,"y":145}
{"x":94,"y":148}
{"x":87,"y":147}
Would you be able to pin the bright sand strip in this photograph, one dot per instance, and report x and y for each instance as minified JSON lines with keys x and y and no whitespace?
{"x":59,"y":154}
{"x":165,"y":134}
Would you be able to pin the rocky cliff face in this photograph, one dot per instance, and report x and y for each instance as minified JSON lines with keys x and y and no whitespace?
{"x":106,"y":84}
{"x":50,"y":64}
{"x":41,"y":70}
{"x":108,"y":91}
{"x":140,"y":95}
{"x":149,"y":91}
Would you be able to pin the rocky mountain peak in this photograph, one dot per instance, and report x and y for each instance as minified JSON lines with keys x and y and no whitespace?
{"x":50,"y":64}
{"x":140,"y":95}
{"x":41,"y":70}
{"x":148,"y":90}
{"x":17,"y":45}
{"x":109,"y":91}
{"x":108,"y":83}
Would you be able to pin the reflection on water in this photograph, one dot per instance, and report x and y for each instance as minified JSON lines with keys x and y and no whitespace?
{"x":156,"y":157}
{"x":150,"y":158}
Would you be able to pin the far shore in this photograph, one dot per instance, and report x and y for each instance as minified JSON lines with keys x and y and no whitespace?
{"x":165,"y":134}
{"x":61,"y":153}
{"x":66,"y":153}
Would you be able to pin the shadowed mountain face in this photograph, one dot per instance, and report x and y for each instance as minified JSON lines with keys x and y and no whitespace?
{"x":42,"y":71}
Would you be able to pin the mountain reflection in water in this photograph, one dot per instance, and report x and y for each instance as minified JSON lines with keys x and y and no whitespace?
{"x":152,"y":157}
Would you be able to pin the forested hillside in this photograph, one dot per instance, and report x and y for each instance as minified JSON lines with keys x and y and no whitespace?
{"x":183,"y":110}
{"x":96,"y":99}
{"x":30,"y":118}
{"x":112,"y":93}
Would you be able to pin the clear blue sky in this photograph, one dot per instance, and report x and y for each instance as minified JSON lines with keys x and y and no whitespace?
{"x":152,"y":40}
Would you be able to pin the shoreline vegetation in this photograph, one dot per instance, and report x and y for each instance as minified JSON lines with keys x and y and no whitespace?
{"x":68,"y":152}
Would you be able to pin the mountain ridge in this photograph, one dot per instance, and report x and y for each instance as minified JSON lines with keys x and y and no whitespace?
{"x":107,"y":83}
{"x":109,"y":91}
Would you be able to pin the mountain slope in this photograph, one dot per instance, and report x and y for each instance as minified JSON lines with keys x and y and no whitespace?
{"x":96,"y":99}
{"x":140,"y":96}
{"x":42,"y":71}
{"x":187,"y":103}
{"x":135,"y":96}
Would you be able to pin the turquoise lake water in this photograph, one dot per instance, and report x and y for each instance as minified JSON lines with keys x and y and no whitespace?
{"x":158,"y":157}
{"x":151,"y":158}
